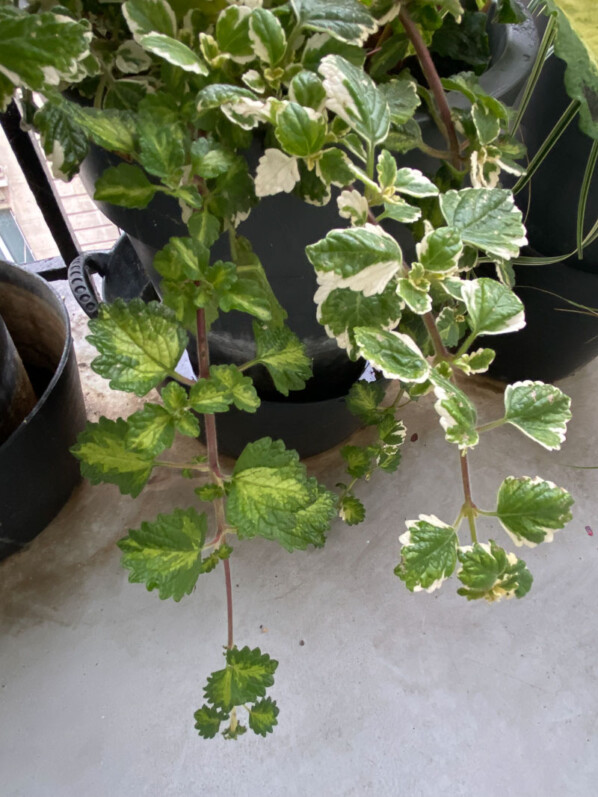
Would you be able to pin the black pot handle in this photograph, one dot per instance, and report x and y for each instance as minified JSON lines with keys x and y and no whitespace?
{"x":81,"y":283}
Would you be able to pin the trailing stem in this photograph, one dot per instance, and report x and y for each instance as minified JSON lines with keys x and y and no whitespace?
{"x":433,"y":79}
{"x":203,"y":357}
{"x":469,"y":508}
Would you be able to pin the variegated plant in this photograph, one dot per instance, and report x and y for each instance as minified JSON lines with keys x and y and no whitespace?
{"x":179,"y":89}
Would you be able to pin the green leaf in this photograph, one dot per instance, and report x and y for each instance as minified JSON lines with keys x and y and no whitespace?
{"x":267,"y":36}
{"x":396,"y":355}
{"x":530,"y":510}
{"x":312,"y":521}
{"x":204,"y":228}
{"x":131,"y":58}
{"x":209,"y":159}
{"x":509,"y":11}
{"x":306,"y":89}
{"x":416,"y":299}
{"x":111,"y":129}
{"x":486,"y":218}
{"x":126,"y":94}
{"x":317,"y":47}
{"x":402,"y":98}
{"x":165,"y":554}
{"x":252,"y":293}
{"x":29,"y":56}
{"x":477,"y":362}
{"x":465,"y":41}
{"x":162,"y":148}
{"x":344,"y":310}
{"x":363,"y":400}
{"x":151,"y":429}
{"x":540,"y":411}
{"x":577,"y":44}
{"x":358,"y":460}
{"x":387,"y":169}
{"x":349,"y":252}
{"x":208,"y":492}
{"x":356,"y":99}
{"x":429,"y":554}
{"x":283,"y":354}
{"x":232,"y":34}
{"x":173,"y":51}
{"x":439,"y":251}
{"x":207,"y":397}
{"x":217,"y":94}
{"x":448,"y":326}
{"x":492,"y":308}
{"x":262,"y":716}
{"x":149,"y":16}
{"x":139,"y":344}
{"x":208,"y":720}
{"x":487,"y":125}
{"x":247,"y":675}
{"x":458,"y":416}
{"x":299,"y":133}
{"x":63,"y":141}
{"x":489,"y":572}
{"x":106,"y":456}
{"x":402,"y":211}
{"x":351,"y":510}
{"x":413,"y":183}
{"x":126,"y":185}
{"x":239,"y":388}
{"x":270,"y":496}
{"x":347,"y":20}
{"x":181,"y":259}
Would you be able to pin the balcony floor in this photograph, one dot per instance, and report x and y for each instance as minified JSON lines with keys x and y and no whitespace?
{"x":380,"y":691}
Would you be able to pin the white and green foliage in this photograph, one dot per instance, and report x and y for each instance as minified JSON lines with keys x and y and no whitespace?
{"x":487,"y":571}
{"x":179,"y":90}
{"x":429,"y":553}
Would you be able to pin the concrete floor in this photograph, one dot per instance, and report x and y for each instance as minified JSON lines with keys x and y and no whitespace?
{"x":380,"y":691}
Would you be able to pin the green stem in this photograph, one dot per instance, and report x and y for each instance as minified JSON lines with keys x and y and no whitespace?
{"x":183,"y":465}
{"x":466,"y":344}
{"x":183,"y":380}
{"x":371,"y":162}
{"x":492,"y":425}
{"x":232,"y":242}
{"x":247,"y":365}
{"x":433,"y":79}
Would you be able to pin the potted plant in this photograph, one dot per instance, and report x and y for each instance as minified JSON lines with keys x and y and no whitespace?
{"x":396,"y":278}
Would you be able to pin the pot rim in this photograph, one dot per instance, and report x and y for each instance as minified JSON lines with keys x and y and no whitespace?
{"x":51,"y":298}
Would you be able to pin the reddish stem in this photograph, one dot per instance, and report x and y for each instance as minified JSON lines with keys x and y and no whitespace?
{"x":433,"y":332}
{"x":470,"y":507}
{"x":433,"y":79}
{"x":203,"y":356}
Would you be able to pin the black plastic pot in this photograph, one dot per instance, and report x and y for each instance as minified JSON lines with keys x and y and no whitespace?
{"x":38,"y":472}
{"x":558,"y":338}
